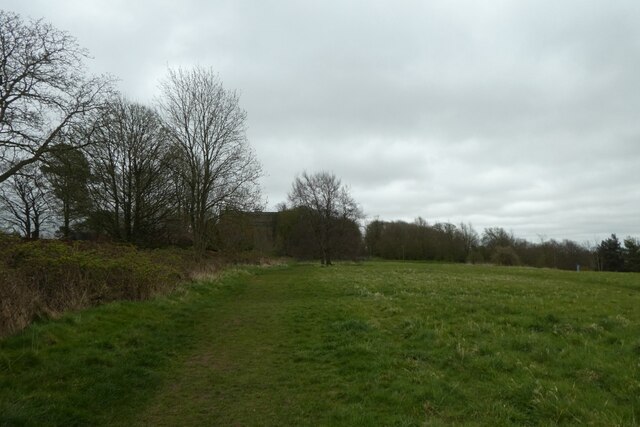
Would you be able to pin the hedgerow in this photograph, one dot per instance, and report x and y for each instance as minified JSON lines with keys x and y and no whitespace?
{"x":46,"y":278}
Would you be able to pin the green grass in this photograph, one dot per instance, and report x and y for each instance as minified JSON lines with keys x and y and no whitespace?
{"x":371,"y":344}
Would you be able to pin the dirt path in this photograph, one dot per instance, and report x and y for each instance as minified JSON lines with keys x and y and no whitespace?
{"x":225,"y":377}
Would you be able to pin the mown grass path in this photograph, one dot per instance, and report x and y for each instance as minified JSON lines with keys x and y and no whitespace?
{"x":371,"y":344}
{"x":243,"y":372}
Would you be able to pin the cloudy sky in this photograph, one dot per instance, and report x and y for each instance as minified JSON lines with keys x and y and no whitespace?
{"x":520,"y":114}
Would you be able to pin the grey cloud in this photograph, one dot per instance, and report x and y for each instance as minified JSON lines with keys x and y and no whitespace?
{"x":516,"y":114}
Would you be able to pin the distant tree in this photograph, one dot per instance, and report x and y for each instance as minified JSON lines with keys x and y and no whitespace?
{"x":421,"y":240}
{"x":470,"y":239}
{"x":296,"y":236}
{"x":67,"y":171}
{"x":348,"y":243}
{"x":610,"y":254}
{"x":217,"y":168}
{"x":496,"y":236}
{"x":452,"y":245}
{"x":44,"y":92}
{"x":329,"y":205}
{"x":373,"y":237}
{"x":447,"y":242}
{"x":632,"y":254}
{"x":571,"y":255}
{"x":25,"y":202}
{"x":400,"y":240}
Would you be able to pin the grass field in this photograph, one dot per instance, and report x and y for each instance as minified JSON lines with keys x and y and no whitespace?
{"x":355,"y":344}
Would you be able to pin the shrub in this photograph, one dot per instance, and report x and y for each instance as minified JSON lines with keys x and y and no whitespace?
{"x":505,"y":255}
{"x":46,"y":278}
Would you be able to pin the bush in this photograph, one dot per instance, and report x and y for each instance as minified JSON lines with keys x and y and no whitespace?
{"x":46,"y":278}
{"x":505,"y":255}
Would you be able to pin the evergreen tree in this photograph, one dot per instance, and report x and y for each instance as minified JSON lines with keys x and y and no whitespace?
{"x":67,"y":170}
{"x":632,"y":254}
{"x":610,"y":254}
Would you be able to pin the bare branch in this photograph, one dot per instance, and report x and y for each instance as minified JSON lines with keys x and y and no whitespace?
{"x":328,"y":203}
{"x":217,"y":167}
{"x":43,"y":92}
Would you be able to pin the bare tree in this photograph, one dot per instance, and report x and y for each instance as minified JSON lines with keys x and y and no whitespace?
{"x":216,"y":165}
{"x":130,"y":164}
{"x":25,"y":202}
{"x":470,"y":238}
{"x":43,"y":90}
{"x":329,"y":204}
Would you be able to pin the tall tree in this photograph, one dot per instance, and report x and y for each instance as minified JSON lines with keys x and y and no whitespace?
{"x":217,"y":167}
{"x":632,"y":254}
{"x":329,"y":204}
{"x":469,"y":237}
{"x":610,"y":254}
{"x":373,"y":236}
{"x":131,"y":189}
{"x":43,"y":90}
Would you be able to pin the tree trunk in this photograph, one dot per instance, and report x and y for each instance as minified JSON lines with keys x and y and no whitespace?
{"x":199,"y":234}
{"x":67,"y":219}
{"x":27,"y":225}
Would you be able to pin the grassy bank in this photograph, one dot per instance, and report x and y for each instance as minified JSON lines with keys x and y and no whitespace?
{"x":371,"y":344}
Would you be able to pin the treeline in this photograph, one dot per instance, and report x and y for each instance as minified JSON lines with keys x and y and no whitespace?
{"x":612,"y":255}
{"x":419,"y":240}
{"x":129,"y":177}
{"x":290,"y":232}
{"x":79,"y":159}
{"x":81,"y":162}
{"x":293,"y":232}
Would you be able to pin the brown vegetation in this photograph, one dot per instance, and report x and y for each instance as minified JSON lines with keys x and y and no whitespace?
{"x":46,"y":278}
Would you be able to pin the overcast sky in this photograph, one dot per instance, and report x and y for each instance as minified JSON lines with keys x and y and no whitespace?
{"x":518,"y":114}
